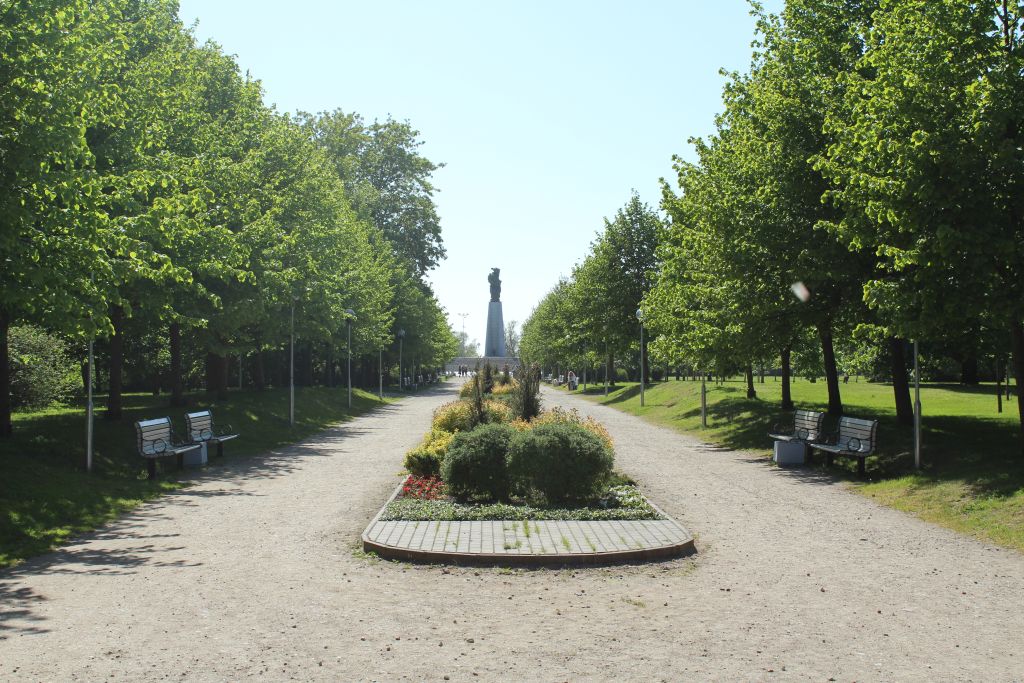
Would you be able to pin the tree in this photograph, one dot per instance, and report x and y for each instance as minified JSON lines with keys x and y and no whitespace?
{"x":929,"y":167}
{"x":57,"y":56}
{"x":512,"y":337}
{"x":387,"y":180}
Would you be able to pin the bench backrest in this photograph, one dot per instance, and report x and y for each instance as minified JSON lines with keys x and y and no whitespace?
{"x":199,"y":425}
{"x":154,"y":436}
{"x":807,"y":424}
{"x":857,"y":435}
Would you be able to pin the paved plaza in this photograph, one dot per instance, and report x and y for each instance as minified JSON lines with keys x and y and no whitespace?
{"x":256,"y":572}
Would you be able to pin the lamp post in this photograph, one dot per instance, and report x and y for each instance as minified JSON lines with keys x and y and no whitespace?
{"x":291,"y":368}
{"x":88,"y":412}
{"x":640,"y":317}
{"x":380,"y":373}
{"x":401,"y":377}
{"x":917,"y":411}
{"x":607,"y":364}
{"x":348,"y":374}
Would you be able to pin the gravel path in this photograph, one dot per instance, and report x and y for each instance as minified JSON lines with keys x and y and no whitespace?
{"x":253,"y":572}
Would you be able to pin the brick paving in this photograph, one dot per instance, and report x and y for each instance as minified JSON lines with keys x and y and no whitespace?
{"x":506,"y":540}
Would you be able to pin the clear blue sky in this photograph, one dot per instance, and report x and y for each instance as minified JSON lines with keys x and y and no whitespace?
{"x":546,"y":114}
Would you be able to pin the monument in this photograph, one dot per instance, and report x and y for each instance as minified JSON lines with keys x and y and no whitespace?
{"x":494,"y":351}
{"x":494,"y":346}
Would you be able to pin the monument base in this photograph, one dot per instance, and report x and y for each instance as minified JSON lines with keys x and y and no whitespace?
{"x":494,"y":346}
{"x":472,"y":362}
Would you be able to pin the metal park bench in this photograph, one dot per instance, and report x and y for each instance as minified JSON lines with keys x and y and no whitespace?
{"x":855,"y":438}
{"x":791,"y":442}
{"x":156,"y":439}
{"x":807,"y":427}
{"x":201,"y":430}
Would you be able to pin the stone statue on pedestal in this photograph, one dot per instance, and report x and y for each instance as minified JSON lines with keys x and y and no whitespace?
{"x":495,"y":284}
{"x":494,"y":347}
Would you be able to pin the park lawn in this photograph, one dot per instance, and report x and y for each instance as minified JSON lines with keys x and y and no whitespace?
{"x":46,"y":496}
{"x":972,"y":476}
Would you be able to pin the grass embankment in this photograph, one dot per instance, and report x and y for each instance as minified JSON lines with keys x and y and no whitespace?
{"x":972,"y":478}
{"x":46,"y":495}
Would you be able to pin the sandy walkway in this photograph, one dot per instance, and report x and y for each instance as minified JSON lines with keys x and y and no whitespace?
{"x":253,"y":575}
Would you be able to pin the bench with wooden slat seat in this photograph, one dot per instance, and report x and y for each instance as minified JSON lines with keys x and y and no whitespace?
{"x":200,"y":429}
{"x":807,"y":427}
{"x":855,"y":438}
{"x":156,"y":440}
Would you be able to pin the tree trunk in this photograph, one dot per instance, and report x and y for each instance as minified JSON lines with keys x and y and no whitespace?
{"x":116,"y":364}
{"x":217,"y":376}
{"x":900,"y":382}
{"x":610,"y":368}
{"x":969,"y":370}
{"x":258,"y":378}
{"x":1017,"y":334}
{"x":305,"y":371}
{"x":787,"y":397}
{"x":835,"y":401}
{"x":177,"y":380}
{"x":751,"y":392}
{"x":5,"y":375}
{"x":999,"y":387}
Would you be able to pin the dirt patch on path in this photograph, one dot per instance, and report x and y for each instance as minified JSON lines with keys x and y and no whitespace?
{"x":254,"y":572}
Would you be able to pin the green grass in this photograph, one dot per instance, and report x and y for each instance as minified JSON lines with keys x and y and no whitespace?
{"x":972,"y":479}
{"x":46,"y":496}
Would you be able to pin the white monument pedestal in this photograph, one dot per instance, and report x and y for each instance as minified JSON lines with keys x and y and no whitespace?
{"x":789,"y":453}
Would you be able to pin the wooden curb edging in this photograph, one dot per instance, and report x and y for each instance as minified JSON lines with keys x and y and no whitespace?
{"x":684,"y":546}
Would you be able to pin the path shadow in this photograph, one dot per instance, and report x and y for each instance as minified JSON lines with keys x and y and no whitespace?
{"x":16,"y":615}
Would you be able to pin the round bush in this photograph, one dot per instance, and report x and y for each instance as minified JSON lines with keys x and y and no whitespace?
{"x":425,"y":460}
{"x":454,"y":417}
{"x":564,"y":463}
{"x":475,"y":463}
{"x":42,"y":373}
{"x":497,"y":412}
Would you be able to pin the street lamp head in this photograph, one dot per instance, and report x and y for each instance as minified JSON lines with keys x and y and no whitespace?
{"x":350,"y":313}
{"x":401,"y":333}
{"x":639,"y":314}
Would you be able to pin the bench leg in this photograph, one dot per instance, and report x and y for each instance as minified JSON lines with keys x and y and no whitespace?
{"x":220,"y":449}
{"x":151,"y":467}
{"x":828,"y":460}
{"x":181,"y":461}
{"x":860,"y":466}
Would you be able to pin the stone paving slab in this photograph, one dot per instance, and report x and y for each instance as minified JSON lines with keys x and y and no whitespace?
{"x":525,"y":543}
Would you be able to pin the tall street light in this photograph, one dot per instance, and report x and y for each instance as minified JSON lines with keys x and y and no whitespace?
{"x":401,"y":377}
{"x":640,"y":317}
{"x":917,"y":411}
{"x":291,"y":368}
{"x":380,"y":373}
{"x":607,"y":363}
{"x":351,"y":316}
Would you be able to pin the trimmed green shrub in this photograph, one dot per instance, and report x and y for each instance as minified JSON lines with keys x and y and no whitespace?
{"x":475,"y":464}
{"x":497,"y":412}
{"x":564,"y":463}
{"x":456,"y":416}
{"x":41,"y":371}
{"x":425,"y":460}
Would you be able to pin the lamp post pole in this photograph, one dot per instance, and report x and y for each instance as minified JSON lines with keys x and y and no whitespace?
{"x":607,"y":364}
{"x":917,"y":411}
{"x":401,"y":376}
{"x":380,"y":373}
{"x":291,"y":370}
{"x":88,"y":412}
{"x":640,"y":317}
{"x":351,"y":315}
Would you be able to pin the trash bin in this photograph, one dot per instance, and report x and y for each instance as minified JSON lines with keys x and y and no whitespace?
{"x":195,"y":457}
{"x":789,"y":453}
